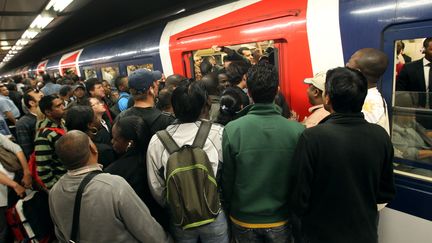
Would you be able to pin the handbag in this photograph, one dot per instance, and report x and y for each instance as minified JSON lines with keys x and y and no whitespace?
{"x":9,"y":160}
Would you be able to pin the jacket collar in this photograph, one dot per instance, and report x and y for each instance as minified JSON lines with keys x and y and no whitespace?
{"x":344,"y":118}
{"x":262,"y":109}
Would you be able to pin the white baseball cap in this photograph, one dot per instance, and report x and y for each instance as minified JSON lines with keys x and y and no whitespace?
{"x":318,"y":80}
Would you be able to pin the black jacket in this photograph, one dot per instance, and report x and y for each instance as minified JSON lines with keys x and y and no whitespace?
{"x":344,"y":169}
{"x":411,"y":78}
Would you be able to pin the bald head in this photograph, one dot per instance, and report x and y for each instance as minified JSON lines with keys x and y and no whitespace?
{"x":371,"y":62}
{"x":73,"y":149}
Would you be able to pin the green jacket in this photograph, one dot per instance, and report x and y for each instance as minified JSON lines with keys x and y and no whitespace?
{"x":257,"y":160}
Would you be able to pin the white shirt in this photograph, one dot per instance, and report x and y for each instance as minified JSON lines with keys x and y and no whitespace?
{"x":157,"y":155}
{"x":426,"y":69}
{"x":375,"y":109}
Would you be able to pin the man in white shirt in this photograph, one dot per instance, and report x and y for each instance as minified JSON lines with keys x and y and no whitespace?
{"x":372,"y":63}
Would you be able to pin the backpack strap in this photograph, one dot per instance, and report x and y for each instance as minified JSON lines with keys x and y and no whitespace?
{"x":202,"y":134}
{"x":167,"y":141}
{"x":77,"y":206}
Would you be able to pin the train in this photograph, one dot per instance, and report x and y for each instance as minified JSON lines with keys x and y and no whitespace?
{"x":306,"y":36}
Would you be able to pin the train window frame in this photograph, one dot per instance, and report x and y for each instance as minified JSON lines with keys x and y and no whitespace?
{"x":86,"y":68}
{"x":411,"y":168}
{"x":192,"y":56}
{"x":149,"y":66}
{"x":115,"y":67}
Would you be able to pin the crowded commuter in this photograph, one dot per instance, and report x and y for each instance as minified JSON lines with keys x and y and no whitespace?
{"x":229,"y":107}
{"x":95,"y":89}
{"x":340,"y":181}
{"x":247,"y":54}
{"x":130,"y":141}
{"x":121,"y":84}
{"x":26,"y":125}
{"x":210,"y":83}
{"x":189,"y":105}
{"x":372,"y":63}
{"x":257,"y":213}
{"x":82,"y":118}
{"x":144,"y":90}
{"x":66,"y":94}
{"x":79,"y":92}
{"x":315,"y":95}
{"x":175,"y":80}
{"x":15,"y":96}
{"x":164,"y":101}
{"x":8,"y":109}
{"x":103,"y":134}
{"x":236,"y":72}
{"x":48,"y":131}
{"x":50,"y":87}
{"x":109,"y":211}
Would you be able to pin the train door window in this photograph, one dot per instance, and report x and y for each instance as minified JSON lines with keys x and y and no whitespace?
{"x":109,"y":73}
{"x":412,"y":114}
{"x":214,"y":59}
{"x":90,"y":72}
{"x":131,"y":68}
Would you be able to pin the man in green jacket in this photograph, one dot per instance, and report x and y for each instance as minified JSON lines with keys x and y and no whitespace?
{"x":256,"y":174}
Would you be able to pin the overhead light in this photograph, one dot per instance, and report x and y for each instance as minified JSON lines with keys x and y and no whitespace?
{"x":42,"y":20}
{"x":5,"y":47}
{"x":58,"y":5}
{"x":4,"y":43}
{"x":22,"y":42}
{"x":30,"y":33}
{"x":13,"y":52}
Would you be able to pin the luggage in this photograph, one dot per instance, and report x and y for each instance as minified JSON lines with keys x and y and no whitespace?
{"x":192,"y":193}
{"x":9,"y":160}
{"x":30,"y":220}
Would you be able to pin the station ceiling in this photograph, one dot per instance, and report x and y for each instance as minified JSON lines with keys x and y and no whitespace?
{"x":81,"y":21}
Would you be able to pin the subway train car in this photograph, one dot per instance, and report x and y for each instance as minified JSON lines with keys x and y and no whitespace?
{"x":306,"y":37}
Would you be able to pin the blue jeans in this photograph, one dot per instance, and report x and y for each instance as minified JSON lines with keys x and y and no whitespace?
{"x":215,"y":232}
{"x":280,"y":234}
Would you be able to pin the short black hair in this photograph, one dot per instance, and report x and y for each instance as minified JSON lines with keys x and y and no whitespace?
{"x":27,"y":98}
{"x":47,"y":78}
{"x":46,"y":102}
{"x":236,"y":70}
{"x":230,"y":105}
{"x":210,"y":83}
{"x":241,"y":49}
{"x":206,"y":66}
{"x":64,"y":90}
{"x":188,"y":102}
{"x":346,"y":88}
{"x":164,"y":99}
{"x":175,"y":80}
{"x":11,"y":86}
{"x":118,"y":81}
{"x":262,"y":83}
{"x":135,"y":129}
{"x":426,"y":42}
{"x":78,"y":117}
{"x":91,"y":83}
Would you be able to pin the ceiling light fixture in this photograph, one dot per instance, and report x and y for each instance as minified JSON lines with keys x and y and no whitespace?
{"x":4,"y":43}
{"x":5,"y":47}
{"x":58,"y":5}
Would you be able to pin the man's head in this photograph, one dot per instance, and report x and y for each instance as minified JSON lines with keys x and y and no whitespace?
{"x":66,"y":92}
{"x":94,"y":88}
{"x":47,"y":78}
{"x":76,"y":150}
{"x":52,"y":107}
{"x":263,"y":83}
{"x":246,"y":52}
{"x":345,"y":90}
{"x":31,"y":98}
{"x":4,"y":90}
{"x":143,"y":85}
{"x":316,"y":88}
{"x":121,"y":83}
{"x":210,"y":83}
{"x":79,"y":91}
{"x":237,"y":71}
{"x":107,"y":87}
{"x":188,"y":102}
{"x":371,"y":62}
{"x":175,"y":80}
{"x":427,"y":45}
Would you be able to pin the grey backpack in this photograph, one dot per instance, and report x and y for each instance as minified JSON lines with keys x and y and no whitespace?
{"x":191,"y":192}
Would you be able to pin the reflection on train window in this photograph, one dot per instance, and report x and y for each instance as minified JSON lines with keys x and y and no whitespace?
{"x":412,"y":113}
{"x":216,"y":58}
{"x":131,"y":68}
{"x":69,"y":71}
{"x":90,"y":73}
{"x":109,"y":73}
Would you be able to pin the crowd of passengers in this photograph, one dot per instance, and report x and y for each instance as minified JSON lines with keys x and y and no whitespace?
{"x":321,"y":179}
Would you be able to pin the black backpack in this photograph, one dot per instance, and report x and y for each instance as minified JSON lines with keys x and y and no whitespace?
{"x":191,"y":192}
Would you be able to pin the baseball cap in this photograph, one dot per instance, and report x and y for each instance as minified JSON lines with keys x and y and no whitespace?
{"x":141,"y":80}
{"x":80,"y":85}
{"x":157,"y":75}
{"x":318,"y":80}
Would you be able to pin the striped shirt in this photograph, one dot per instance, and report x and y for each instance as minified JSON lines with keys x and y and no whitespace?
{"x":49,"y":167}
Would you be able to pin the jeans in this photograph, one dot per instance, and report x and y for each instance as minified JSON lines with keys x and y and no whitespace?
{"x":280,"y":234}
{"x":215,"y":232}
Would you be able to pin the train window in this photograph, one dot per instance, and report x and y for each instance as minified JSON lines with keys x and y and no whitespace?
{"x":217,"y":58}
{"x":412,"y":113}
{"x":90,"y":72}
{"x":131,"y":68}
{"x":109,"y":73}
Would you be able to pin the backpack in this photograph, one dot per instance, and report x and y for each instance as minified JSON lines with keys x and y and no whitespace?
{"x":9,"y":160}
{"x":32,"y":160}
{"x":191,"y":188}
{"x":115,"y":108}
